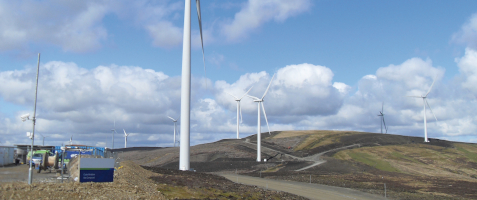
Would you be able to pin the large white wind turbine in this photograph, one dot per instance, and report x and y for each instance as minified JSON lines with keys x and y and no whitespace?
{"x":424,"y":99}
{"x":184,"y":156}
{"x":174,"y":130}
{"x":239,"y":110}
{"x":381,"y":114}
{"x":125,"y":139}
{"x":259,"y":137}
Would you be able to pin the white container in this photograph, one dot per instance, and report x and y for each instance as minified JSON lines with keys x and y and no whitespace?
{"x":6,"y":155}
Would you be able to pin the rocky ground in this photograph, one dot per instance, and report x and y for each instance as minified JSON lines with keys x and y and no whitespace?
{"x":132,"y":181}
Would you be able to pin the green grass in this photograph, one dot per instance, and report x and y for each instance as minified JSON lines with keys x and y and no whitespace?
{"x":400,"y":157}
{"x":369,"y":160}
{"x":468,"y":154}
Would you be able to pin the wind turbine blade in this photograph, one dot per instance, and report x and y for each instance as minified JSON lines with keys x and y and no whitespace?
{"x":231,"y":95}
{"x":382,"y":108}
{"x":246,"y":93}
{"x":265,"y":115}
{"x":385,"y":127}
{"x":199,"y":16}
{"x":414,"y":96}
{"x":254,"y":98}
{"x":431,"y":110}
{"x":125,"y":134}
{"x":268,"y":86}
{"x":171,"y":118}
{"x":430,"y":87}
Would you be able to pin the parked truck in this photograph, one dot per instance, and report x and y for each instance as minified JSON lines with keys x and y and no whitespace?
{"x":43,"y":160}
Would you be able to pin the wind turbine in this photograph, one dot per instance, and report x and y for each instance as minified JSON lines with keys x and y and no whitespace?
{"x":43,"y":139}
{"x":260,"y":102}
{"x":184,"y":156}
{"x":125,"y":138}
{"x":424,"y":100}
{"x":71,"y":140}
{"x":381,"y":114}
{"x":239,"y":110}
{"x":174,"y":130}
{"x":114,"y":131}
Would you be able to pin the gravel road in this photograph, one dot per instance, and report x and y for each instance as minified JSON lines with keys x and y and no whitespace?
{"x":312,"y":191}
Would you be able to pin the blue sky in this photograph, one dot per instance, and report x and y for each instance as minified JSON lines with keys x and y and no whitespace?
{"x":337,"y":59}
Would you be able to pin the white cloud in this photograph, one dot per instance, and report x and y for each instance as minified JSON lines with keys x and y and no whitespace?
{"x":468,"y":33}
{"x":257,"y":12}
{"x":296,"y":91}
{"x":165,"y":34}
{"x":84,"y":102}
{"x":468,"y":67}
{"x":74,"y":26}
{"x":80,"y":26}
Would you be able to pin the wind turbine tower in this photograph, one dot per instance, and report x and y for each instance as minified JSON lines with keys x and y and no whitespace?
{"x":424,"y":100}
{"x":114,"y":131}
{"x":125,"y":138}
{"x":43,"y":144}
{"x":174,"y":130}
{"x":381,"y":114}
{"x":259,"y":137}
{"x":239,"y":110}
{"x":184,"y":156}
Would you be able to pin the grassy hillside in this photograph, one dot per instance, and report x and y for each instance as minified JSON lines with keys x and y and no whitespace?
{"x":411,"y":168}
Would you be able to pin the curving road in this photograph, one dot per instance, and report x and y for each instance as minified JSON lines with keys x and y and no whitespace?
{"x":311,"y":191}
{"x":313,"y":158}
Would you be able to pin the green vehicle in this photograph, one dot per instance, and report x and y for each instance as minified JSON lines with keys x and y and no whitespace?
{"x":37,"y":152}
{"x":43,"y":160}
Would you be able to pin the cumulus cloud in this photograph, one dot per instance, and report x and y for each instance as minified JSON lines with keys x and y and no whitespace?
{"x":468,"y":66}
{"x":297,"y":91}
{"x":390,"y":87}
{"x":468,"y":33}
{"x":84,"y":102}
{"x":165,"y":34}
{"x":81,"y":26}
{"x":74,"y":26}
{"x":78,"y":100}
{"x":257,"y":12}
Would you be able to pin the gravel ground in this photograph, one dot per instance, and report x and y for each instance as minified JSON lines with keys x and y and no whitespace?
{"x":130,"y":182}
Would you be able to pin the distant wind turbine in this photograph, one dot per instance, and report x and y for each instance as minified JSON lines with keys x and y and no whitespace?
{"x":381,"y":114}
{"x":125,"y":138}
{"x":260,"y":102}
{"x":114,"y":131}
{"x":174,"y":130}
{"x":184,"y":156}
{"x":239,"y":110}
{"x":43,"y":139}
{"x":424,"y":99}
{"x":71,"y":140}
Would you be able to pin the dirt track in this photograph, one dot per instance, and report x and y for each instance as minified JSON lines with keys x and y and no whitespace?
{"x":312,"y":191}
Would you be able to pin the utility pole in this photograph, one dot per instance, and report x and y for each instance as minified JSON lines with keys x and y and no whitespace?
{"x":30,"y":174}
